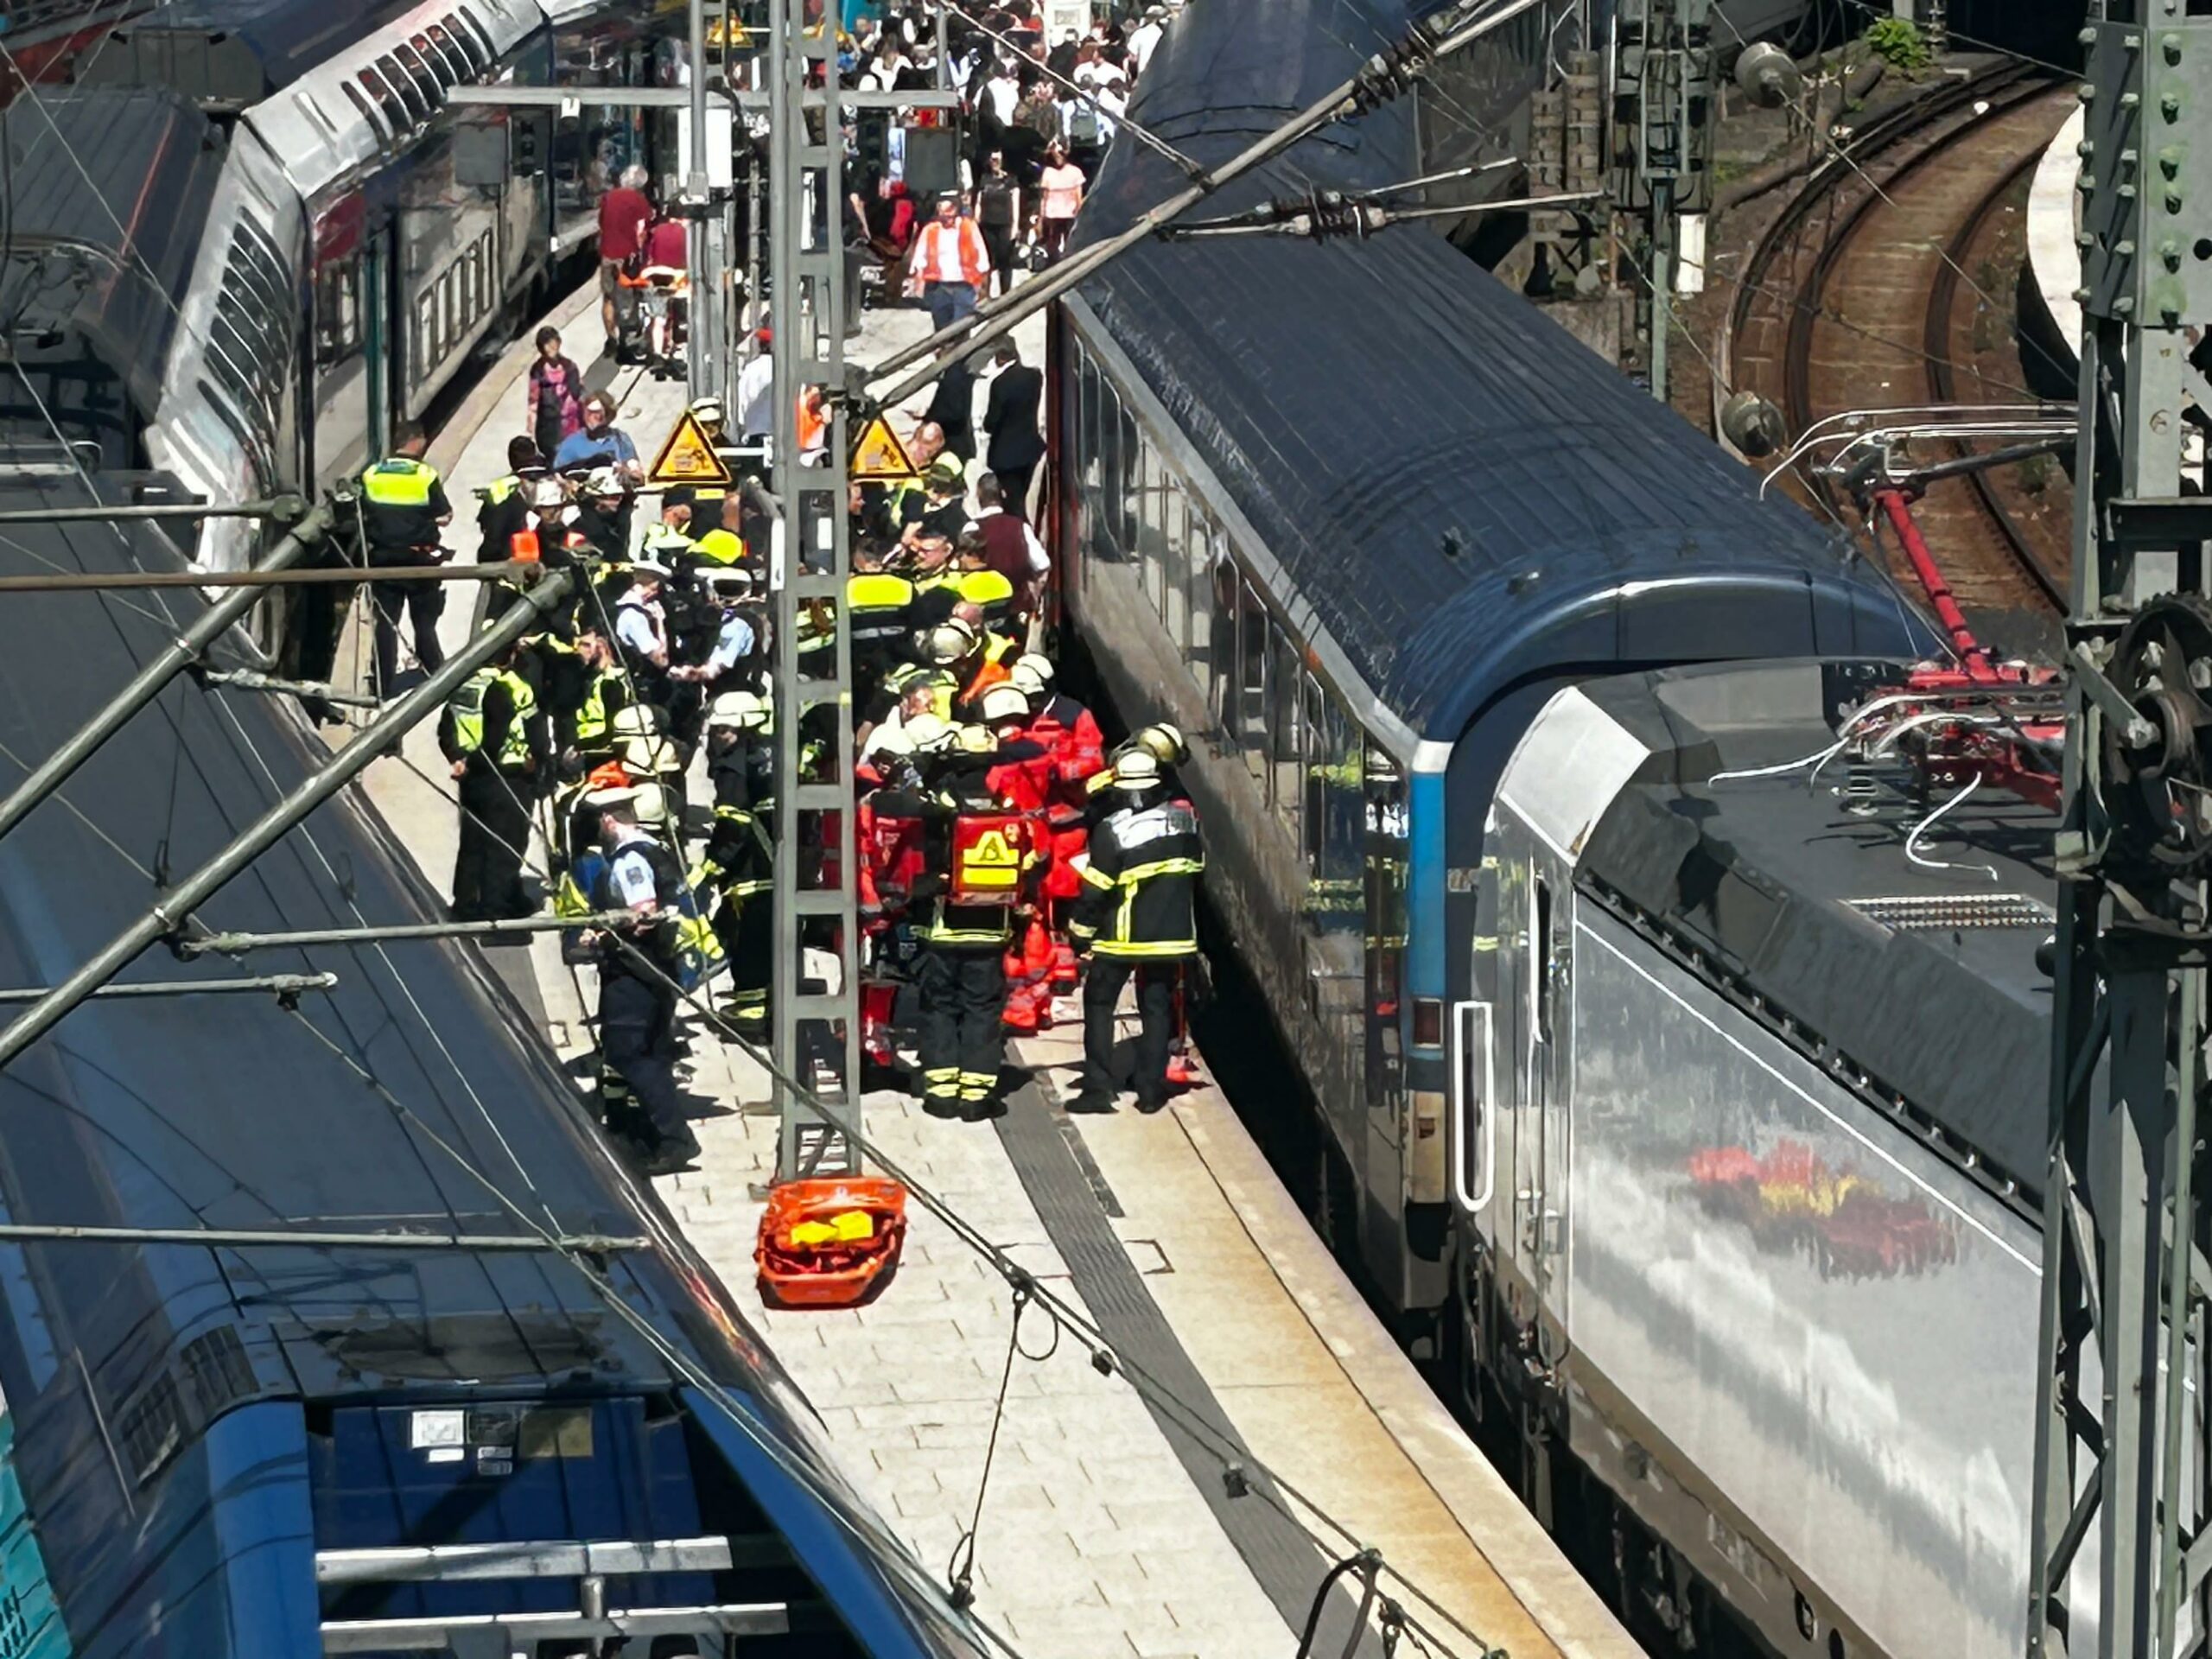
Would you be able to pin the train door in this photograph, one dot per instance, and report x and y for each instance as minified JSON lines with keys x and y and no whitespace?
{"x":1529,"y":1039}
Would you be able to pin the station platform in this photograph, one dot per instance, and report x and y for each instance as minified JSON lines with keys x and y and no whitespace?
{"x":1107,"y":1526}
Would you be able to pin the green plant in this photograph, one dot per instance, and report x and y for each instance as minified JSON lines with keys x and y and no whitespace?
{"x":1898,"y":42}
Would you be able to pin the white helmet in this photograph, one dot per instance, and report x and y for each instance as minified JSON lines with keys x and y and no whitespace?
{"x":708,"y":409}
{"x":891,"y":740}
{"x":651,"y":805}
{"x":928,"y":734}
{"x":744,"y":711}
{"x":637,"y":720}
{"x":1040,"y":666}
{"x":1136,"y":770}
{"x":602,"y":481}
{"x":648,"y":756}
{"x":948,"y":642}
{"x":1027,"y":680}
{"x":1003,"y":702}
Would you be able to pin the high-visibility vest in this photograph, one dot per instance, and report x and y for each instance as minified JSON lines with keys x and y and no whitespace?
{"x":591,"y":714}
{"x":877,"y":602}
{"x":989,"y":591}
{"x":399,"y":481}
{"x":469,"y":715}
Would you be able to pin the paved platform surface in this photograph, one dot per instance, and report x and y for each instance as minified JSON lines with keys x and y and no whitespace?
{"x":1107,"y":1529}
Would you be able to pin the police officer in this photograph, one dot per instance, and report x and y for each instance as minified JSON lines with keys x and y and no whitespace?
{"x":403,"y":507}
{"x":738,"y":657}
{"x":740,"y":859}
{"x":1138,"y":915}
{"x":877,"y":605}
{"x":493,"y":742}
{"x":502,"y":509}
{"x":637,"y":998}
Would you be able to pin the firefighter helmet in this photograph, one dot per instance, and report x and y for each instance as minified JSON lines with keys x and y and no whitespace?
{"x":1003,"y":702}
{"x":1136,"y":770}
{"x":1164,"y":743}
{"x":949,"y":643}
{"x":743,"y":711}
{"x":928,"y":734}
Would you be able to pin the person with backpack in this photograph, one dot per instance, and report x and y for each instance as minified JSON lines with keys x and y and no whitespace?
{"x":998,"y":215}
{"x":1085,"y":132}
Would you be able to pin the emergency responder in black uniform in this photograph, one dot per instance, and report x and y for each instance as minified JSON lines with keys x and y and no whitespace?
{"x":960,"y":969}
{"x":740,"y":856}
{"x":878,"y":603}
{"x":636,"y":998}
{"x":493,"y":741}
{"x":503,"y":505}
{"x":403,"y":506}
{"x":1138,"y":915}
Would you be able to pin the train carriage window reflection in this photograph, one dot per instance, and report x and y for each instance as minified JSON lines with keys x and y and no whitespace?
{"x":1175,"y":595}
{"x":1145,"y":520}
{"x":1387,"y":846}
{"x":422,"y":352}
{"x":1223,"y":587}
{"x":1122,"y":480}
{"x":1107,"y":437}
{"x":1286,"y":726}
{"x":1251,"y":715}
{"x":1199,"y":541}
{"x":1086,"y":443}
{"x":1336,"y":813}
{"x":337,"y":311}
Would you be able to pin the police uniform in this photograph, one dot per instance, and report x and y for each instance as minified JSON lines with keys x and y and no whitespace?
{"x":1138,"y":915}
{"x":637,"y":1000}
{"x":490,"y":726}
{"x":403,"y":499}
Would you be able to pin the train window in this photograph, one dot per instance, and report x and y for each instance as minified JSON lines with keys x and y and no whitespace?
{"x":417,"y":103}
{"x":1250,"y":723}
{"x":437,"y":44}
{"x":1220,"y":681}
{"x":1106,"y":438}
{"x":1386,"y":839}
{"x":423,"y":352}
{"x":1176,"y":596}
{"x":416,"y":69}
{"x":1336,"y":812}
{"x":337,"y":311}
{"x":1540,"y":959}
{"x":397,"y":119}
{"x":1121,"y":499}
{"x":1199,"y":542}
{"x":1287,"y":747}
{"x":1151,"y":524}
{"x":371,"y":112}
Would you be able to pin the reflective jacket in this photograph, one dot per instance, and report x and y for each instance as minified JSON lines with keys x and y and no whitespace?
{"x":876,"y":600}
{"x":402,"y":500}
{"x":1139,"y":897}
{"x":493,"y":707}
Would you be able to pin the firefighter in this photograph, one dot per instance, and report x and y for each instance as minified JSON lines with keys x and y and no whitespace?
{"x":494,"y":743}
{"x":637,"y":987}
{"x":1139,"y":916}
{"x":938,"y":653}
{"x":961,"y":906}
{"x":739,"y":864}
{"x":1066,"y":728}
{"x":1163,"y":742}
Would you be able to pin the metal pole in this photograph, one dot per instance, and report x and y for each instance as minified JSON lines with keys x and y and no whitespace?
{"x":285,"y":509}
{"x":252,"y":679}
{"x":178,"y":903}
{"x":755,"y":307}
{"x":694,"y":188}
{"x":80,"y":581}
{"x":999,"y":317}
{"x":813,"y":1033}
{"x":276,"y":984}
{"x":237,"y":944}
{"x":1662,"y":283}
{"x":283,"y":1238}
{"x":145,"y":685}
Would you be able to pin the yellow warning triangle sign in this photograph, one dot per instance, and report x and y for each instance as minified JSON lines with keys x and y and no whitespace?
{"x":991,"y":848}
{"x":878,"y":457}
{"x":688,"y":456}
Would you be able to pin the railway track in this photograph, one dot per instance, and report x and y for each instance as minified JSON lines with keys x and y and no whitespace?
{"x":1863,"y":294}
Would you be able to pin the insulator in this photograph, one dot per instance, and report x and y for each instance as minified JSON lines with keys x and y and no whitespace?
{"x":1390,"y":73}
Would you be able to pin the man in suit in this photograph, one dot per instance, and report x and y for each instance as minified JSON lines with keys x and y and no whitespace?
{"x":1015,"y":441}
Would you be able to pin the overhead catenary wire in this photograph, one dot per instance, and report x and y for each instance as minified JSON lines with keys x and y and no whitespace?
{"x":1263,"y":1481}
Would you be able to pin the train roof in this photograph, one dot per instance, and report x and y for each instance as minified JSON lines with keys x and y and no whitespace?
{"x":127,"y":178}
{"x":1463,"y":492}
{"x":235,"y":53}
{"x":1919,"y":972}
{"x":236,"y":1113}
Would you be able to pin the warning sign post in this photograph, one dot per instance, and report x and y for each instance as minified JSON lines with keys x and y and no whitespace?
{"x":686,"y":456}
{"x":878,"y":457}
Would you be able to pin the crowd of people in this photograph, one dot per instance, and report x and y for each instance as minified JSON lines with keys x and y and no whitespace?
{"x":1001,"y":843}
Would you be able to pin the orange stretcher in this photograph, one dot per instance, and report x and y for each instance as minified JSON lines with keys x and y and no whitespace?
{"x":824,"y":1243}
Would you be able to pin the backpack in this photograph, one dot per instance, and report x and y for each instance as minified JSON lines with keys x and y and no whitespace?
{"x":1083,"y":125}
{"x":995,"y":204}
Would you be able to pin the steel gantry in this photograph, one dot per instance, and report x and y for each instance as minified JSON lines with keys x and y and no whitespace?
{"x":2120,"y":1540}
{"x":815,"y":1019}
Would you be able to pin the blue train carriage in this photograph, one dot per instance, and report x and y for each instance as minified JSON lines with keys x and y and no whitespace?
{"x":1756,"y":1105}
{"x":276,"y":1449}
{"x":1351,"y":514}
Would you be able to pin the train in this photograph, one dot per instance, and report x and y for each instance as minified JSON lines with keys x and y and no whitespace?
{"x":442,"y":1376}
{"x":335,"y":242}
{"x":1682,"y":1106}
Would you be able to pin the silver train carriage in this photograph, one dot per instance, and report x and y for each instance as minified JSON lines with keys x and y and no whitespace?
{"x":407,"y":233}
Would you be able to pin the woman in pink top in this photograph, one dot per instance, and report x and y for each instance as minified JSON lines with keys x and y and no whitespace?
{"x":556,"y":394}
{"x":1060,"y":191}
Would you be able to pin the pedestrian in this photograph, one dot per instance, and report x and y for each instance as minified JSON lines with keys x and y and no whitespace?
{"x":952,"y":409}
{"x":998,"y":213}
{"x":1144,"y":37}
{"x":636,"y":985}
{"x":556,"y":393}
{"x":949,"y":264}
{"x":623,"y":213}
{"x":403,"y":508}
{"x":1013,"y":426}
{"x":1137,"y":917}
{"x":495,"y":745}
{"x":756,"y":410}
{"x":1010,"y":546}
{"x":599,"y":442}
{"x":1059,"y":190}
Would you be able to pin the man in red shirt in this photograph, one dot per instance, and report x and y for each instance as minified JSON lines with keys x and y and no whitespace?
{"x":624,"y":213}
{"x":665,"y":246}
